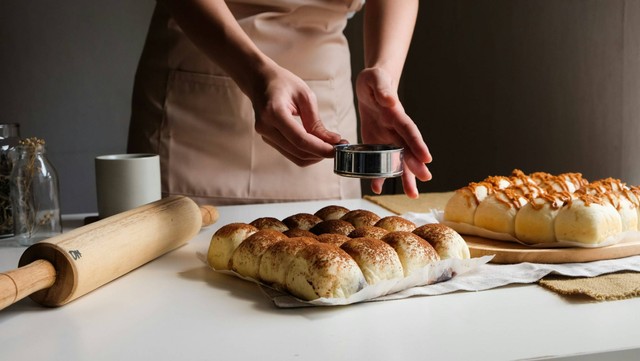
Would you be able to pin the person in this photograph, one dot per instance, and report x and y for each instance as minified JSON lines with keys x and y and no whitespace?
{"x":244,"y":99}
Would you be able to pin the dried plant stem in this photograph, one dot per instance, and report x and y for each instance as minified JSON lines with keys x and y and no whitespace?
{"x":27,"y":202}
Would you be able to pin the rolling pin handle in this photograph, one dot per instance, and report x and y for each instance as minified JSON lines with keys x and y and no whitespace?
{"x":209,"y":215}
{"x":20,"y":283}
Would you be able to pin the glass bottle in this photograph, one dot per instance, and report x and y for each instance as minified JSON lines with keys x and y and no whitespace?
{"x":34,"y":194}
{"x":9,"y":137}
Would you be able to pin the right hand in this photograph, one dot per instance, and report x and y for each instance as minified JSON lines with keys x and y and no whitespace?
{"x":384,"y":121}
{"x":287,"y":117}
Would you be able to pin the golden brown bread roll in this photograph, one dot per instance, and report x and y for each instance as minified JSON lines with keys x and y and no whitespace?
{"x":301,"y":221}
{"x":368,"y":231}
{"x":297,"y":232}
{"x":331,"y":212}
{"x":447,"y":242}
{"x":246,"y":258}
{"x":276,"y":260}
{"x":269,"y":223}
{"x":336,"y":226}
{"x":413,"y":251}
{"x":333,"y":238}
{"x":361,"y":217}
{"x":395,"y":224}
{"x":323,"y":270}
{"x":225,"y":241}
{"x":377,"y":260}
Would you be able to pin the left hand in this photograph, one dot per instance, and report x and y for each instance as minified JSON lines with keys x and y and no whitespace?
{"x":384,"y":121}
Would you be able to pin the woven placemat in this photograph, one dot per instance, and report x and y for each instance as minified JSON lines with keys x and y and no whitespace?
{"x":400,"y":203}
{"x":614,"y":286}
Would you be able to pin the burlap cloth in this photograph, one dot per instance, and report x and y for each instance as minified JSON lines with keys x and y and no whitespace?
{"x":613,"y":286}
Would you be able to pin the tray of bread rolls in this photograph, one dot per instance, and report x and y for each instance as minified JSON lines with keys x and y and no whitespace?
{"x":545,"y":218}
{"x":338,"y":256}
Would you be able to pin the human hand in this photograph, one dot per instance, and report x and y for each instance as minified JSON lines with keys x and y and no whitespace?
{"x":287,"y":118}
{"x":384,"y":121}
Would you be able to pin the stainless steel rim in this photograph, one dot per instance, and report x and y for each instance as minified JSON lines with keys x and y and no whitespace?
{"x":368,"y":160}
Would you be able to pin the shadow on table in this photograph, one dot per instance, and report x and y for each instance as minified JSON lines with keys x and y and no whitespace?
{"x":246,"y":290}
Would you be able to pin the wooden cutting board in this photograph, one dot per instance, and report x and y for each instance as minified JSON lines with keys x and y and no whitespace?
{"x":507,"y":253}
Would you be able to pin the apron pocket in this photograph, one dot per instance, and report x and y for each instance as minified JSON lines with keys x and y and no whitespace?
{"x":206,"y":136}
{"x":211,"y":149}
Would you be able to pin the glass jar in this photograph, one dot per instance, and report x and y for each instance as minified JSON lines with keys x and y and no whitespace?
{"x":34,"y":194}
{"x":9,"y":137}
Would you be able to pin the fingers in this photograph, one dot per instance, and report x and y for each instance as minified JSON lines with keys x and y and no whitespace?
{"x":410,"y":136}
{"x":309,"y":115}
{"x":293,"y":141}
{"x":293,"y":154}
{"x":376,"y":185}
{"x":418,"y":168}
{"x":409,"y":184}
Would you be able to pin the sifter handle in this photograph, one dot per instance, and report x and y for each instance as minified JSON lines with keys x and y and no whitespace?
{"x":20,"y":283}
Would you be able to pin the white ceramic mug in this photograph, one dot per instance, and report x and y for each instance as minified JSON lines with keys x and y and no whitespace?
{"x":126,"y":181}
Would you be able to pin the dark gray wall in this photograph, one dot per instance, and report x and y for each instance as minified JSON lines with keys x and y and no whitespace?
{"x":67,"y":70}
{"x":494,"y":85}
{"x":538,"y":85}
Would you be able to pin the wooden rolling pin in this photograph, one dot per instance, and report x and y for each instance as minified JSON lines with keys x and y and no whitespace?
{"x":60,"y":269}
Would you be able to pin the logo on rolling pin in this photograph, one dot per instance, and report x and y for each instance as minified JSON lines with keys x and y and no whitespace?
{"x":75,"y":254}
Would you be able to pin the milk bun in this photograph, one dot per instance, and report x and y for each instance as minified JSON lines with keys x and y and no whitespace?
{"x":332,"y":238}
{"x":361,"y":217}
{"x":224,"y":241}
{"x":368,"y":231}
{"x":587,"y":220}
{"x":447,"y":242}
{"x":616,"y":193}
{"x":269,"y":223}
{"x":413,"y":251}
{"x":497,"y":212}
{"x":377,"y":260}
{"x":336,"y":226}
{"x":633,"y":194}
{"x":395,"y":224}
{"x":246,"y":258}
{"x":462,"y":205}
{"x":297,"y":232}
{"x":331,"y":212}
{"x":301,"y":221}
{"x":323,"y":270}
{"x":276,"y":260}
{"x":535,"y":221}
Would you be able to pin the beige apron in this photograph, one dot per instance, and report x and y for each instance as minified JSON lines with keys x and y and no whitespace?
{"x":189,"y":112}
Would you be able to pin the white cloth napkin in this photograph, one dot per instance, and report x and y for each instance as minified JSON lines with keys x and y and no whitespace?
{"x":489,"y":276}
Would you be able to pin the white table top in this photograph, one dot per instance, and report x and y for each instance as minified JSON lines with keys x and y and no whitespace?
{"x":175,"y":308}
